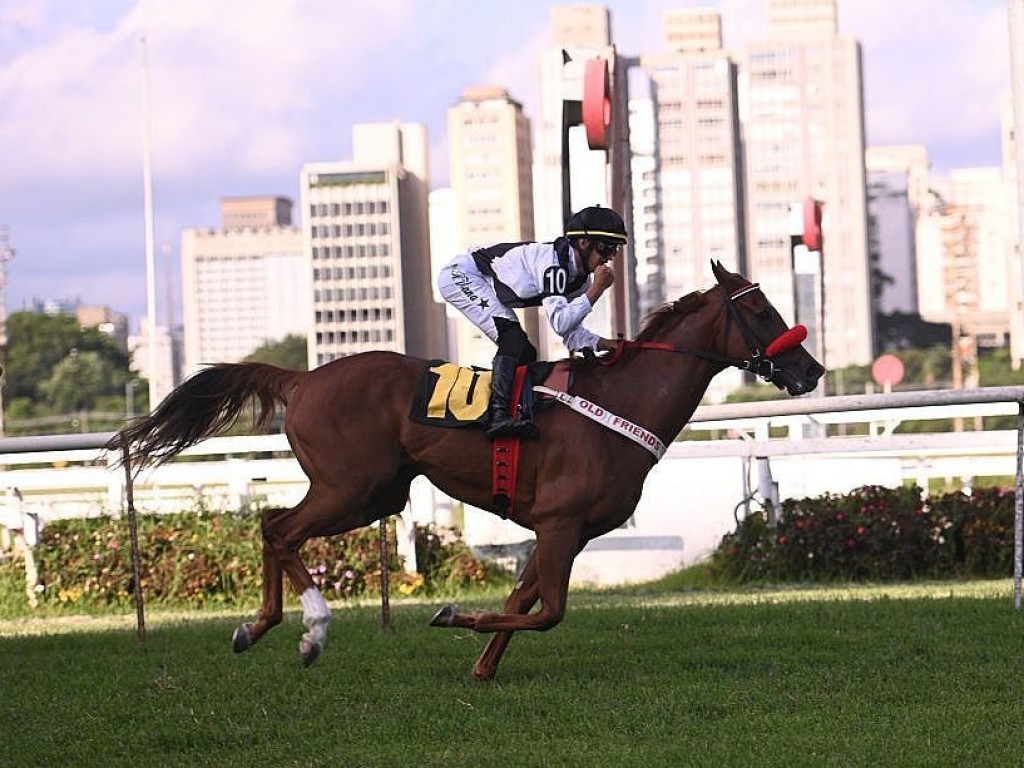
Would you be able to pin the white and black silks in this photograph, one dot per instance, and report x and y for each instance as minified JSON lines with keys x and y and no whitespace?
{"x":487,"y":283}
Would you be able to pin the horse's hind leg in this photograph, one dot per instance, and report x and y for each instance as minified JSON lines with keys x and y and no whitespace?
{"x":270,"y":612}
{"x":523,"y":597}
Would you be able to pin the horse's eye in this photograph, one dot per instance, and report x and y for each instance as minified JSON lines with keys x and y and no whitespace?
{"x":764,"y":314}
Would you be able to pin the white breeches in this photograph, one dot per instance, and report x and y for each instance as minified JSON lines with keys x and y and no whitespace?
{"x":465,"y":288}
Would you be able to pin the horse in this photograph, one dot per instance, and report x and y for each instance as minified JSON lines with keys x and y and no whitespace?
{"x":348,"y":425}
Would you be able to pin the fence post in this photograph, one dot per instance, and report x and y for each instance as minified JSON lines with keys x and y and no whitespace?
{"x":1018,"y":511}
{"x":133,"y":531}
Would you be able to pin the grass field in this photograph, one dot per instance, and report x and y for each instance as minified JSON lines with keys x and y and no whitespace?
{"x":897,"y":676}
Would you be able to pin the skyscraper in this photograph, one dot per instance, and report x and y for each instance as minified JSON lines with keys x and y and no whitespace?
{"x":702,"y":207}
{"x":803,"y":121}
{"x":367,"y":239}
{"x":577,"y":165}
{"x":491,"y":165}
{"x":244,"y":284}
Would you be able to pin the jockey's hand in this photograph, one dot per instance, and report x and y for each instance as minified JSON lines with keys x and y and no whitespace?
{"x":604,"y":277}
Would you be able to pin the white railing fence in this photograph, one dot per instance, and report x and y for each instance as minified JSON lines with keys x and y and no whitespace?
{"x":51,"y":477}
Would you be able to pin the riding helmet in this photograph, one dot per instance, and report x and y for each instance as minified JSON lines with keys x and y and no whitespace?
{"x":597,"y":223}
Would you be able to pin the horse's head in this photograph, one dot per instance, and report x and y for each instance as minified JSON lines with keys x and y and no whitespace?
{"x":757,"y":333}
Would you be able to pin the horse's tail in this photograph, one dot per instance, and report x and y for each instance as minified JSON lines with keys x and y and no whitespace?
{"x":207,"y":403}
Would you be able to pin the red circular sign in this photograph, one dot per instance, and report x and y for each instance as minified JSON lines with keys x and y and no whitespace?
{"x":887,"y":369}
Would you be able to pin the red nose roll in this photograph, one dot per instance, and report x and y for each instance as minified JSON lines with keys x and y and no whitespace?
{"x":794,"y":337}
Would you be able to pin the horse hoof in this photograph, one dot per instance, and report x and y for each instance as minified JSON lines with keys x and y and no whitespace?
{"x":309,"y":651}
{"x":482,"y":675}
{"x":445,"y":617}
{"x":242,"y":639}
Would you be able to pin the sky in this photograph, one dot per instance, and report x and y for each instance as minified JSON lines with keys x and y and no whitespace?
{"x":244,"y":92}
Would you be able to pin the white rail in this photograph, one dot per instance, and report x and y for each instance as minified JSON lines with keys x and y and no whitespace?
{"x":68,"y":475}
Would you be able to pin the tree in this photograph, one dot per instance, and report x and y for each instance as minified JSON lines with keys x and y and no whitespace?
{"x":37,"y":342}
{"x":289,"y":352}
{"x":78,"y":381}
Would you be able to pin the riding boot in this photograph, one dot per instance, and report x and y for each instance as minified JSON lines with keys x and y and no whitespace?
{"x":501,"y":421}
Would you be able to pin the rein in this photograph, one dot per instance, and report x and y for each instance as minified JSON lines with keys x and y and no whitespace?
{"x":760,"y":361}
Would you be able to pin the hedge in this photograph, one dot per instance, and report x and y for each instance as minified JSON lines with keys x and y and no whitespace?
{"x":201,"y":558}
{"x":874,"y":534}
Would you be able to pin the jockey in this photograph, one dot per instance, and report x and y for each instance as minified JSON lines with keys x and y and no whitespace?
{"x":567,"y":277}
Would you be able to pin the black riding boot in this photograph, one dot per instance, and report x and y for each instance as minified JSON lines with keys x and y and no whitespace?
{"x":502,"y":423}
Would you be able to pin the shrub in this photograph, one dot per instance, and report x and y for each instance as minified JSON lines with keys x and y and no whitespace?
{"x":873,"y":533}
{"x":200,"y":558}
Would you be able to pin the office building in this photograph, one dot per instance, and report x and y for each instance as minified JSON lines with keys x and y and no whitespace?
{"x":803,"y":123}
{"x":574,"y":167}
{"x":245,"y":284}
{"x":366,"y":235}
{"x":701,"y":179}
{"x":491,"y":165}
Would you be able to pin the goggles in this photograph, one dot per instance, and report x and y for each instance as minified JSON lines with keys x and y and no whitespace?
{"x":607,"y":250}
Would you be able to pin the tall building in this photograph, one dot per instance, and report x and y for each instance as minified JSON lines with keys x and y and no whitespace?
{"x":803,"y":122}
{"x":577,"y":165}
{"x":647,"y":243}
{"x":366,"y":234}
{"x":491,"y":165}
{"x":893,"y":256}
{"x":491,"y":171}
{"x":700,"y":179}
{"x":245,"y":284}
{"x":965,"y":258}
{"x":702,"y":205}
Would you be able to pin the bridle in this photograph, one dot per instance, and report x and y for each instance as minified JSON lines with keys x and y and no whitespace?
{"x":759,"y":362}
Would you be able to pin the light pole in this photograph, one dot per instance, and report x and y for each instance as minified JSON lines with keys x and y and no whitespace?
{"x":129,"y":397}
{"x":6,"y":254}
{"x":147,"y":183}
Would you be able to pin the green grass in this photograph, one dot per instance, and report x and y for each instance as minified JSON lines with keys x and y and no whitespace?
{"x":925,"y":675}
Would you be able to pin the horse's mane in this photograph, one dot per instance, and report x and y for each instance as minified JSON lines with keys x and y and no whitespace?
{"x":668,"y":315}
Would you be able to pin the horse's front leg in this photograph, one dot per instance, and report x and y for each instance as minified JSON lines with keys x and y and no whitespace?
{"x":557,"y":545}
{"x":270,"y":612}
{"x":523,"y":597}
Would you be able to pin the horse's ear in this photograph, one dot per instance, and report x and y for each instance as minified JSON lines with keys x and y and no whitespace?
{"x":717,"y":269}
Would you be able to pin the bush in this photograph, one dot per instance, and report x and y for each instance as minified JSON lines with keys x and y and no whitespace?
{"x":201,"y":558}
{"x":873,"y":533}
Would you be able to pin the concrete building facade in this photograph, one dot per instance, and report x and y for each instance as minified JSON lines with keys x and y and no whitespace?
{"x":366,"y":236}
{"x":244,"y":284}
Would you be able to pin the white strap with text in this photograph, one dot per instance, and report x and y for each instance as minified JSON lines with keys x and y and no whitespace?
{"x":634,"y":432}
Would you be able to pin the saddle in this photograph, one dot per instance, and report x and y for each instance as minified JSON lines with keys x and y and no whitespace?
{"x":449,"y":395}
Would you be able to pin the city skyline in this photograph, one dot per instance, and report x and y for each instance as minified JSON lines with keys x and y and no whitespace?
{"x":243,"y":96}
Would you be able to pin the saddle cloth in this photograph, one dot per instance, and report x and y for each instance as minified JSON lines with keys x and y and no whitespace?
{"x":449,"y":395}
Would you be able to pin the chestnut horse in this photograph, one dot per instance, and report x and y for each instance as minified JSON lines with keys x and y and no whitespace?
{"x":349,"y":427}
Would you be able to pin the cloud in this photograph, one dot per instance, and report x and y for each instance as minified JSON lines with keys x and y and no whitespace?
{"x":233,"y":86}
{"x":933,"y":74}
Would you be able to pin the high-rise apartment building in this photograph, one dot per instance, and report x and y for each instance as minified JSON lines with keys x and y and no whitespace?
{"x":646,"y":234}
{"x":570,"y":172}
{"x":245,"y":284}
{"x":367,"y":238}
{"x":701,"y":179}
{"x":964,"y":257}
{"x":803,"y":121}
{"x":490,"y":155}
{"x":491,"y":166}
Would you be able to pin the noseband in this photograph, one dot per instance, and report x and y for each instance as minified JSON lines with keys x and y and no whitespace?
{"x":760,"y":361}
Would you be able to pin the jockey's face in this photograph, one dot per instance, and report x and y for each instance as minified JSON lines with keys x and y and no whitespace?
{"x":598,"y":252}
